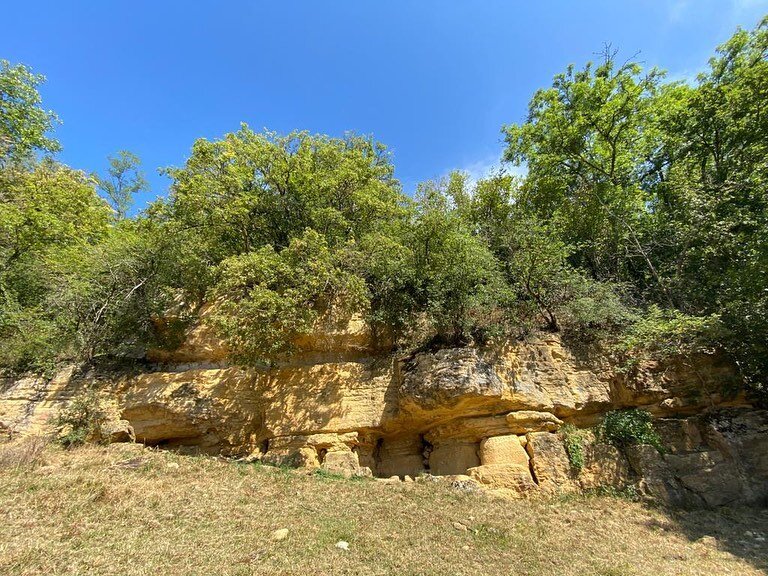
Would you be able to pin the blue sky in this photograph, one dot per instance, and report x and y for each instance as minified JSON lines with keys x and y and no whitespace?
{"x":434,"y":80}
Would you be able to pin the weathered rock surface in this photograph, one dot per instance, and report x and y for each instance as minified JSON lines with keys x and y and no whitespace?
{"x":512,"y":478}
{"x":717,"y":458}
{"x":489,"y":416}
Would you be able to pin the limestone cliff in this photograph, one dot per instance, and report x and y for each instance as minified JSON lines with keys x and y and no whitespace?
{"x":491,"y":414}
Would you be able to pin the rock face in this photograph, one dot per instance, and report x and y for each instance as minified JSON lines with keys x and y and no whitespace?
{"x":717,"y":458}
{"x":491,"y":416}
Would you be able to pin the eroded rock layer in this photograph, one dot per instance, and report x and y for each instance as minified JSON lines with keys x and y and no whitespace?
{"x":489,"y":416}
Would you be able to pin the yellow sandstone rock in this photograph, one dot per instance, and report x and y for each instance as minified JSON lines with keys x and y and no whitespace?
{"x":503,"y":450}
{"x":347,"y":405}
{"x":513,"y":477}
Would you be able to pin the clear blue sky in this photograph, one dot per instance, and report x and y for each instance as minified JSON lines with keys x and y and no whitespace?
{"x":434,"y":80}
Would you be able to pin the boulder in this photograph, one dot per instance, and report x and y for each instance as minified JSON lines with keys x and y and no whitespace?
{"x":503,"y":450}
{"x":512,"y":477}
{"x":708,"y":475}
{"x":342,"y":462}
{"x":604,"y":465}
{"x":118,"y":431}
{"x":549,"y":462}
{"x":741,"y":435}
{"x":442,"y":379}
{"x":679,"y":435}
{"x":524,"y":421}
{"x":656,"y":478}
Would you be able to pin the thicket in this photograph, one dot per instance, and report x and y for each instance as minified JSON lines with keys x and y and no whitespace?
{"x":641,"y":219}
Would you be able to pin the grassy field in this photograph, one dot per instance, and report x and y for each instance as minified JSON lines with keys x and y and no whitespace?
{"x":126,"y":510}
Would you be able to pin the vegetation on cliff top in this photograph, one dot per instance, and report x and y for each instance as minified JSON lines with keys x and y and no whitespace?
{"x":641,"y":218}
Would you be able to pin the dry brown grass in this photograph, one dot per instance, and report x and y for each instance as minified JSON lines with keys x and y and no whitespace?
{"x":124,"y":510}
{"x":23,"y":455}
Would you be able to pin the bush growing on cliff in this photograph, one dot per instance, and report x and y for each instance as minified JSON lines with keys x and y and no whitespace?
{"x":573,"y":440}
{"x":81,"y":419}
{"x":663,"y":333}
{"x":624,"y":428}
{"x":267,"y":299}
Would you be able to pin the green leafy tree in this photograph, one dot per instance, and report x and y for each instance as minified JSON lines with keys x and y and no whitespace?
{"x":461,"y":285}
{"x":123,"y":182}
{"x":250,"y":190}
{"x":43,"y":213}
{"x":387,"y":264}
{"x":266,"y":299}
{"x":716,"y":203}
{"x":253,"y":201}
{"x":589,"y":143}
{"x":48,"y":205}
{"x":106,"y":296}
{"x":24,"y":124}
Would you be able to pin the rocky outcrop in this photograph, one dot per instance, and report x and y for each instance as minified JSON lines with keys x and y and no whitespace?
{"x":717,"y":458}
{"x":491,"y":416}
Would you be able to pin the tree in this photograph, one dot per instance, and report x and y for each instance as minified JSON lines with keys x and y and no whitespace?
{"x":23,"y":123}
{"x":51,"y":204}
{"x":250,"y":190}
{"x":460,"y":284}
{"x":106,"y":297}
{"x":589,"y":144}
{"x":714,"y":202}
{"x":266,"y":299}
{"x":662,"y":188}
{"x":44,"y":211}
{"x":124,"y":180}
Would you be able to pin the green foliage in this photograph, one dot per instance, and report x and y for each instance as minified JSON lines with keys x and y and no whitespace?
{"x":624,"y":428}
{"x":105,"y":296}
{"x":662,"y":333}
{"x":566,"y":298}
{"x":267,"y":298}
{"x":460,"y":280}
{"x":661,"y":189}
{"x":573,"y":441}
{"x":80,"y":421}
{"x":388,"y":266}
{"x":45,"y":214}
{"x":586,"y":143}
{"x":715,"y":210}
{"x":251,"y":190}
{"x":124,"y":181}
{"x":49,"y":205}
{"x":23,"y":123}
{"x":642,"y":219}
{"x":593,"y":309}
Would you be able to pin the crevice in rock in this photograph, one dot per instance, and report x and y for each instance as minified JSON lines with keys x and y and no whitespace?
{"x":426,"y":451}
{"x":531,"y":468}
{"x":376,"y":455}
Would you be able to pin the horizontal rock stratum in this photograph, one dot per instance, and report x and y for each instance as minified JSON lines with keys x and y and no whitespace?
{"x":488,"y":416}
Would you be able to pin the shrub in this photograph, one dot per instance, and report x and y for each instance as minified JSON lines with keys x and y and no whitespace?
{"x":268,"y":298}
{"x":624,"y":428}
{"x":574,"y":446}
{"x":664,"y":333}
{"x":24,"y":454}
{"x":81,"y":420}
